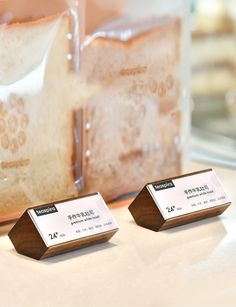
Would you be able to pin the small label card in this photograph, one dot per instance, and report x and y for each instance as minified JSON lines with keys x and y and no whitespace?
{"x":180,"y":200}
{"x":72,"y":220}
{"x":68,"y":225}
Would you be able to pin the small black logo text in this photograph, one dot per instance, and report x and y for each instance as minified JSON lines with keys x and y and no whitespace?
{"x":46,"y":210}
{"x":163,"y":185}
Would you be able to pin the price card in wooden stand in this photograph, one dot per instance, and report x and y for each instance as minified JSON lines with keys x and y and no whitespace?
{"x":180,"y":200}
{"x":60,"y":227}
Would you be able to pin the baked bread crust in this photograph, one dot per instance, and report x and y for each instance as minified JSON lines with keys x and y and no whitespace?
{"x":131,"y":127}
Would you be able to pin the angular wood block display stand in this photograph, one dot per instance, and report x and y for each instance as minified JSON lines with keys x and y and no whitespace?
{"x":179,"y":200}
{"x":52,"y":229}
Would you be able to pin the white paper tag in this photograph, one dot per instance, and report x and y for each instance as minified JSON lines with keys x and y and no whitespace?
{"x":72,"y":220}
{"x":188,"y":194}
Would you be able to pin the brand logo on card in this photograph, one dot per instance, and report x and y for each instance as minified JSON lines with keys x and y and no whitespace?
{"x":46,"y":210}
{"x":164,"y":185}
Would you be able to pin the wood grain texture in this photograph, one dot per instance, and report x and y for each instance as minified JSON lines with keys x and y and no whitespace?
{"x":26,"y":239}
{"x":145,"y":212}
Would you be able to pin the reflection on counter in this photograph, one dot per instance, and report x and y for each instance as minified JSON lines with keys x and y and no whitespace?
{"x":181,"y":240}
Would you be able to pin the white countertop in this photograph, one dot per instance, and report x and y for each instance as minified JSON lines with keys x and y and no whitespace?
{"x":192,"y":265}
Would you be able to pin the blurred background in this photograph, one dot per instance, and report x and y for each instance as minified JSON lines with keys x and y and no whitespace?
{"x":213,"y":83}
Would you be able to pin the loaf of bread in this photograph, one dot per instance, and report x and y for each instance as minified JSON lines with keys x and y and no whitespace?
{"x":111,"y":128}
{"x":134,"y":123}
{"x":37,"y":99}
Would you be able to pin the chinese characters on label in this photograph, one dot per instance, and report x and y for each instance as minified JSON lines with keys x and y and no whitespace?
{"x":197,"y":189}
{"x":189,"y":194}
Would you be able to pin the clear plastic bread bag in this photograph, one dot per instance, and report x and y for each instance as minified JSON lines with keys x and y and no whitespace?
{"x":136,"y":124}
{"x":39,"y":51}
{"x":93,"y":97}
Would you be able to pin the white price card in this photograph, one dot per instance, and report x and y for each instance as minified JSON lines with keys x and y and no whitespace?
{"x":71,"y":220}
{"x":188,"y":194}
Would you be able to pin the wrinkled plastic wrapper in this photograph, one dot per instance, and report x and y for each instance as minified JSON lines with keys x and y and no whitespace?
{"x":135,"y":56}
{"x":39,"y":90}
{"x":93,"y":97}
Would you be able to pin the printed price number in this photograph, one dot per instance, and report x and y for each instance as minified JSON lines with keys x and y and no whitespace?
{"x":170,"y":209}
{"x":53,"y":236}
